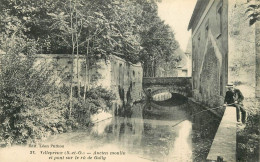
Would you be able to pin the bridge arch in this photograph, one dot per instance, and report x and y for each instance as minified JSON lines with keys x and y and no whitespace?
{"x":178,"y":85}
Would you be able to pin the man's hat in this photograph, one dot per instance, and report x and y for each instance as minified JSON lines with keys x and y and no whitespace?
{"x":230,"y":85}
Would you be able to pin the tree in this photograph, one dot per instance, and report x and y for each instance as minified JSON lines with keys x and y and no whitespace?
{"x":157,"y":38}
{"x":129,"y":29}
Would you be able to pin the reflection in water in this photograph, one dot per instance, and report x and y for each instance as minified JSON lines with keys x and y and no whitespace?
{"x":99,"y":128}
{"x":146,"y":135}
{"x":182,"y":150}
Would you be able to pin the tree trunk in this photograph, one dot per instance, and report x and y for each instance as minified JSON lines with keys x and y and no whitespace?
{"x":257,"y":63}
{"x":77,"y":65}
{"x":154,"y":68}
{"x":72,"y":67}
{"x":257,"y":51}
{"x":86,"y":73}
{"x":77,"y":48}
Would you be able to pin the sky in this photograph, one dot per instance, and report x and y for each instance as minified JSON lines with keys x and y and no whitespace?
{"x":177,"y":14}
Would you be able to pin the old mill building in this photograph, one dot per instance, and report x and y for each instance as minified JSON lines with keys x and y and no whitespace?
{"x":223,"y":50}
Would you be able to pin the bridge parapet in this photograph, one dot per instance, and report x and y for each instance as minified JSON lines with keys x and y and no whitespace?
{"x":179,"y":81}
{"x":180,"y":85}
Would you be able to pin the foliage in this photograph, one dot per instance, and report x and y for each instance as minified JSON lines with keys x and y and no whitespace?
{"x":157,"y":39}
{"x":30,"y":104}
{"x":96,"y":99}
{"x":99,"y":98}
{"x":254,"y":12}
{"x":248,"y":138}
{"x":33,"y":17}
{"x":129,"y":29}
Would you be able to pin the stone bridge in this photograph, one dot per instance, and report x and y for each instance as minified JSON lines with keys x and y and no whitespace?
{"x":179,"y":85}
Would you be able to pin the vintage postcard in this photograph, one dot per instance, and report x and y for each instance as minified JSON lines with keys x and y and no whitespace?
{"x":129,"y":80}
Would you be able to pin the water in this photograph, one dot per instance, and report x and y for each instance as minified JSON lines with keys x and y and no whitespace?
{"x":141,"y":135}
{"x":150,"y":133}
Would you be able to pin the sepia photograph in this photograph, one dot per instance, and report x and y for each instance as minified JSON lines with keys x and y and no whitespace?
{"x":129,"y":80}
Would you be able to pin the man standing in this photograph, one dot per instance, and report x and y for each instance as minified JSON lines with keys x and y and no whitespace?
{"x":234,"y":97}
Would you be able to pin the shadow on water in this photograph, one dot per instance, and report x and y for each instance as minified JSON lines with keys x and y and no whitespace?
{"x":149,"y":131}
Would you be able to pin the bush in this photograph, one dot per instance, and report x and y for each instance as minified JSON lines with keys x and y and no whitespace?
{"x":248,"y":138}
{"x":99,"y":98}
{"x":31,"y":106}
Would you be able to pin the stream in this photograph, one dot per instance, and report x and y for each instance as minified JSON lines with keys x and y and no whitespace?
{"x":149,"y":133}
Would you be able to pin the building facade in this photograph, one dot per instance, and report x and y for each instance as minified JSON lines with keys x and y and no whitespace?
{"x":209,"y":50}
{"x":222,"y":49}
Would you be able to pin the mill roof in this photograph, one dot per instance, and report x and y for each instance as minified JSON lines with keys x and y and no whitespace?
{"x":197,"y":12}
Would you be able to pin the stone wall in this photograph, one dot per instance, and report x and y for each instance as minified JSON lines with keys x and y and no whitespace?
{"x":242,"y":57}
{"x":126,"y":80}
{"x":61,"y":66}
{"x":115,"y":74}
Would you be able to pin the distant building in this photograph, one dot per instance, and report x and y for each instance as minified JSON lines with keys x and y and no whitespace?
{"x":188,"y":54}
{"x":184,"y":69}
{"x":217,"y":30}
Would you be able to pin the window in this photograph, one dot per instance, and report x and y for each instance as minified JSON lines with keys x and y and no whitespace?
{"x":193,"y":65}
{"x":198,"y":41}
{"x":207,"y":29}
{"x":193,"y":47}
{"x":219,"y":17}
{"x":200,"y":88}
{"x":193,"y":53}
{"x":220,"y":20}
{"x":221,"y":86}
{"x":120,"y":75}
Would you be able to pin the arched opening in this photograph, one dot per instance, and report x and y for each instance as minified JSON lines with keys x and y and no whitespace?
{"x":162,"y":96}
{"x":172,"y":99}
